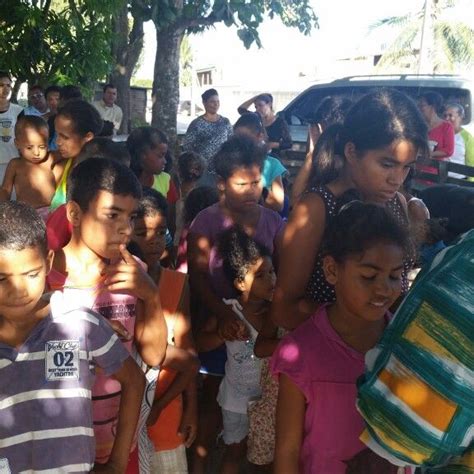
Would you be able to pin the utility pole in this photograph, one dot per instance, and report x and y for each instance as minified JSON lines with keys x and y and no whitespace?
{"x":424,"y":57}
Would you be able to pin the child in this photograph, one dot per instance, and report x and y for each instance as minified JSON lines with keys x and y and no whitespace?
{"x":31,"y":175}
{"x":190,"y":169}
{"x":172,"y":423}
{"x":370,"y":154}
{"x":248,"y":267}
{"x":77,"y":122}
{"x":48,"y":358}
{"x":58,"y":228}
{"x":317,"y":365}
{"x":251,"y":124}
{"x":148,"y":147}
{"x":238,"y":166}
{"x":196,"y":201}
{"x":95,"y":270}
{"x":416,"y":395}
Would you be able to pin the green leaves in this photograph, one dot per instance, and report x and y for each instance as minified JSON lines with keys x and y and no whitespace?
{"x":67,"y":43}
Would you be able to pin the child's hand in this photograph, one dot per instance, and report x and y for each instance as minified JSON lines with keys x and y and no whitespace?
{"x":120,"y":330}
{"x":155,"y":412}
{"x":129,"y":276}
{"x":232,"y":329}
{"x":107,"y":468}
{"x":188,"y":426}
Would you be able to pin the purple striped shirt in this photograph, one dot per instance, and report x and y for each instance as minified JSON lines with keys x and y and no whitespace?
{"x":45,"y":391}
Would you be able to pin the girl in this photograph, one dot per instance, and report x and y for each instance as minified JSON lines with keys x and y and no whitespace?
{"x":172,"y":422}
{"x":208,"y":132}
{"x":250,"y":124}
{"x":371,"y":154}
{"x":190,"y":168}
{"x":238,"y":165}
{"x":249,"y":268}
{"x":196,"y":201}
{"x":279,"y":137}
{"x":148,"y":147}
{"x":76,"y":123}
{"x":317,"y":365}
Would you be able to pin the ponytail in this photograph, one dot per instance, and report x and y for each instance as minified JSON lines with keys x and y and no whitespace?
{"x":328,"y":156}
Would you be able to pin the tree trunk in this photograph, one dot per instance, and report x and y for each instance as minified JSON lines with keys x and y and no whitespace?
{"x":166,"y":81}
{"x":126,"y":49}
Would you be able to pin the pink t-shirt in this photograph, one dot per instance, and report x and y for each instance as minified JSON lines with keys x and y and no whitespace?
{"x":325,"y":369}
{"x":106,"y":390}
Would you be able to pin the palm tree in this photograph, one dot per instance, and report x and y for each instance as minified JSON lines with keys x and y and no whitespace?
{"x":429,"y":38}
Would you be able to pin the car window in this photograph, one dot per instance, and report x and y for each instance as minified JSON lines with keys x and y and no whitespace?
{"x":302,"y":110}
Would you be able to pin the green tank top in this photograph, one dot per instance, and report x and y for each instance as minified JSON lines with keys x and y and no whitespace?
{"x":59,"y":197}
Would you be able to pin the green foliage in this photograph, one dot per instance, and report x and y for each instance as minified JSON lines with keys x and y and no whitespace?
{"x":57,"y":42}
{"x":452,"y":42}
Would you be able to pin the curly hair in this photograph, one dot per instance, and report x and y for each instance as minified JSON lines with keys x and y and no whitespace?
{"x":239,"y":252}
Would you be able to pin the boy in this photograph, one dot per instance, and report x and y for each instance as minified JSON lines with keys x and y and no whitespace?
{"x":48,"y":357}
{"x":172,"y":422}
{"x":95,"y":270}
{"x":32,"y":173}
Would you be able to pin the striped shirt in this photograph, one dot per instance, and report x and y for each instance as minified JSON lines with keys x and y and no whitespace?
{"x":45,"y":391}
{"x":417,"y":393}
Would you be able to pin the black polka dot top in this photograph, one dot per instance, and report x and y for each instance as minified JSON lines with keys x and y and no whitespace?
{"x":318,"y":289}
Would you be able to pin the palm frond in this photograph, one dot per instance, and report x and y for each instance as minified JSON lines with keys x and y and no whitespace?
{"x":402,"y":48}
{"x":392,"y":21}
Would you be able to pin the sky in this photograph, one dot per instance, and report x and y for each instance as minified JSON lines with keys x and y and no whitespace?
{"x":344,"y":25}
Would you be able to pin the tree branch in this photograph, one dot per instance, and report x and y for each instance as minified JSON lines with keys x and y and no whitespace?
{"x":186,"y":23}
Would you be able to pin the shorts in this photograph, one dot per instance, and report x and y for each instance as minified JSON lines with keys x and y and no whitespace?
{"x":213,"y":362}
{"x":236,"y":426}
{"x":172,"y":461}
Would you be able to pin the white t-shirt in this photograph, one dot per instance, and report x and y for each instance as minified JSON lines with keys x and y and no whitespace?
{"x":241,"y":382}
{"x":112,"y":114}
{"x":7,"y":133}
{"x":459,"y":155}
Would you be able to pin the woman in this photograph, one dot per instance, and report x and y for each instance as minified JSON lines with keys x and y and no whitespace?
{"x":369,"y":155}
{"x":441,"y":132}
{"x":279,"y":137}
{"x":208,"y":132}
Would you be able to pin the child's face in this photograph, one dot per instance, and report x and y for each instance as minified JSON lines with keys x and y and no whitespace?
{"x":22,"y":281}
{"x":367,"y":285}
{"x":154,"y":158}
{"x":243,"y":188}
{"x":150,"y":235}
{"x":33,"y":144}
{"x":68,"y":140}
{"x":106,"y":224}
{"x":380,"y":173}
{"x":259,"y":282}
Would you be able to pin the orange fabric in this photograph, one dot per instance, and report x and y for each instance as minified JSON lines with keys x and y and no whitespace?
{"x":164,"y":433}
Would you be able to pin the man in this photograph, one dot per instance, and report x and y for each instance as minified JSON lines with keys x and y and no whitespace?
{"x":37,"y":103}
{"x":52,"y":98}
{"x":463,"y":140}
{"x":8,"y":115}
{"x":107,"y":108}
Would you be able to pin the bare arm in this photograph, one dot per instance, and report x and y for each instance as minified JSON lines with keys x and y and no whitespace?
{"x":302,"y":178}
{"x":208,"y":337}
{"x":290,"y":416}
{"x":244,"y":107}
{"x":183,"y":339}
{"x":276,"y":195}
{"x":187,"y":367}
{"x":132,"y":383}
{"x":9,"y":180}
{"x":267,"y":339}
{"x":199,"y":251}
{"x":150,"y":325}
{"x":301,"y":241}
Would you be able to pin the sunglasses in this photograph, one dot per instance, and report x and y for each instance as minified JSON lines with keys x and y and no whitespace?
{"x":36,"y":96}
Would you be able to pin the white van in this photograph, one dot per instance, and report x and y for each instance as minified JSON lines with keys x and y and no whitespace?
{"x":299,"y":112}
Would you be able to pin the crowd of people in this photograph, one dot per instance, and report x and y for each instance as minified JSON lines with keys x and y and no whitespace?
{"x":152,"y":309}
